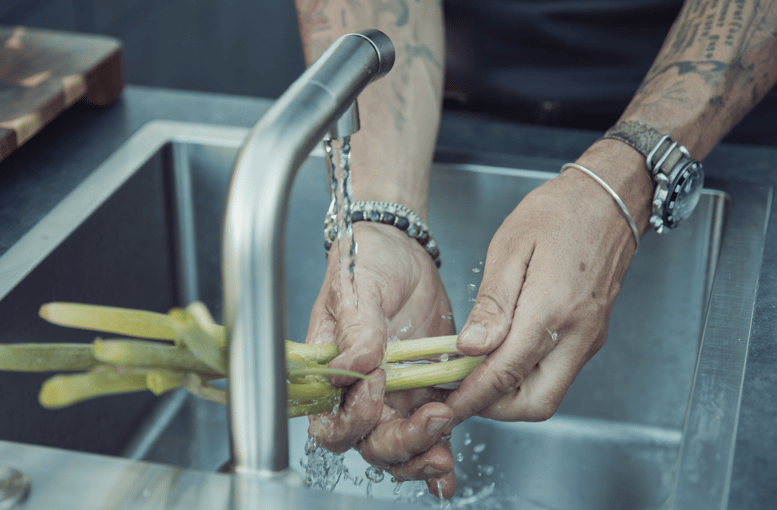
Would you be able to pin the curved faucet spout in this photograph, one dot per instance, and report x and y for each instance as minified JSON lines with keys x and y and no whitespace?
{"x":252,"y":250}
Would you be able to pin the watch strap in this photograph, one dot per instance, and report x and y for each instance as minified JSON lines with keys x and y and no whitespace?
{"x":661,"y":153}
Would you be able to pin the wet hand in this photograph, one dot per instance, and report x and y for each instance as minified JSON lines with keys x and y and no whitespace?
{"x":552,"y":272}
{"x":400,"y":294}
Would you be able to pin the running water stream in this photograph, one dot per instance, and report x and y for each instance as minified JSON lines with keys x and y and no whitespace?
{"x":342,"y":198}
{"x":324,"y":469}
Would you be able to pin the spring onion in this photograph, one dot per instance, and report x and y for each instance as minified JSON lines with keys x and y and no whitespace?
{"x":198,"y":356}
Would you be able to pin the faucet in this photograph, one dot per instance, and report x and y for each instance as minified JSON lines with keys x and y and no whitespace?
{"x":323,"y":99}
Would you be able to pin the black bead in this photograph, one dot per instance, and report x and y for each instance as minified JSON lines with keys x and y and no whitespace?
{"x":357,"y":216}
{"x":423,"y":237}
{"x":402,"y":223}
{"x":387,"y":218}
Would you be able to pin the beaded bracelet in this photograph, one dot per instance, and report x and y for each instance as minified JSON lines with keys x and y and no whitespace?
{"x":388,"y":214}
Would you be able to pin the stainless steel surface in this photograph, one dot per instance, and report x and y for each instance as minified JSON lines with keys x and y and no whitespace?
{"x":348,"y":123}
{"x":253,"y":241}
{"x":71,"y":480}
{"x":616,"y":437}
{"x":707,"y":453}
{"x":14,"y":487}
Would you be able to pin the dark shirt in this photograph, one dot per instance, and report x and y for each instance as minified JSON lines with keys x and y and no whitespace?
{"x":563,"y":62}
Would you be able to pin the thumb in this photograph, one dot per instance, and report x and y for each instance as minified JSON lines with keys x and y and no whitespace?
{"x":492,"y":314}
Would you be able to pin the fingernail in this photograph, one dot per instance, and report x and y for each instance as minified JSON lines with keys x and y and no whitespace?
{"x":435,"y":424}
{"x":473,"y":335}
{"x":429,"y":470}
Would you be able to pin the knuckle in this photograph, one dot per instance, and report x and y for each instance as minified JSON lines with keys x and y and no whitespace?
{"x":507,"y":380}
{"x":328,"y":436}
{"x":367,"y":450}
{"x":542,"y":410}
{"x":490,"y":312}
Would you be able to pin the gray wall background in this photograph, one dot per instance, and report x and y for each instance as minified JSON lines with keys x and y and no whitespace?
{"x":246,"y":47}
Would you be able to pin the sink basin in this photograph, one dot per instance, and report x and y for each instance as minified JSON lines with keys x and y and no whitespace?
{"x":650,"y":422}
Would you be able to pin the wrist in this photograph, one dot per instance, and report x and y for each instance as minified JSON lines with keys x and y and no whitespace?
{"x":624,"y":169}
{"x":379,"y":176}
{"x":398,"y":217}
{"x":414,"y":198}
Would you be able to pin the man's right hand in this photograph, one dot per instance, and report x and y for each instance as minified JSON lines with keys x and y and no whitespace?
{"x":398,"y":292}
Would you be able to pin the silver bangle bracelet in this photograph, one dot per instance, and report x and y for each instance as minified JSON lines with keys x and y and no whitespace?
{"x":387,"y":213}
{"x":613,"y":194}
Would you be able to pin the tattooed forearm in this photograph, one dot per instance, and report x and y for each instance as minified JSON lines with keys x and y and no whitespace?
{"x":322,"y":17}
{"x":314,"y":27}
{"x":399,"y":113}
{"x":414,"y":56}
{"x":717,"y":62}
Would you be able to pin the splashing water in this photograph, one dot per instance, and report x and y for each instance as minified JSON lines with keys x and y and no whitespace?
{"x":479,"y":491}
{"x":374,"y":475}
{"x":323,"y":469}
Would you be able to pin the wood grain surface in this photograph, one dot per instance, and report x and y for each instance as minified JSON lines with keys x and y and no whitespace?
{"x":43,"y":72}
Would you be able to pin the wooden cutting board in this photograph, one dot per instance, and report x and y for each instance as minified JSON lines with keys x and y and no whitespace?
{"x":42,"y":72}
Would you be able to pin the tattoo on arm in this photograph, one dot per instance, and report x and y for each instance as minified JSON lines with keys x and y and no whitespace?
{"x":729,"y":44}
{"x":314,"y":27}
{"x":322,"y":21}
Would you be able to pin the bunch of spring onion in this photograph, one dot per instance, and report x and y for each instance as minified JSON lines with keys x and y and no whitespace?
{"x":186,"y":348}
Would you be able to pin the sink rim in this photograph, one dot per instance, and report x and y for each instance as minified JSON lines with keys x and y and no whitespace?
{"x":709,"y":433}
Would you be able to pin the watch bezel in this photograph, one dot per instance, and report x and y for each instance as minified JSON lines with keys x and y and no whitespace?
{"x":680,"y":174}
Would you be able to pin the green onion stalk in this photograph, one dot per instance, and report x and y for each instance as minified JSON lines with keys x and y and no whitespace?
{"x":186,"y":348}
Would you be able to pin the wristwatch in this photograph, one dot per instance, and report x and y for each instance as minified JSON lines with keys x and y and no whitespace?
{"x":679,"y":178}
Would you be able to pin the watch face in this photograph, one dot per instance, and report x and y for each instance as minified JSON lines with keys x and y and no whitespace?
{"x":684,"y":194}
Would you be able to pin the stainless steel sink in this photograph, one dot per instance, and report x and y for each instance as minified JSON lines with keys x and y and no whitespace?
{"x":649,"y":423}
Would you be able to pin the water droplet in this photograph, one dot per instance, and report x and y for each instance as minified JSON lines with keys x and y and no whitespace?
{"x":467,"y":439}
{"x":475,"y":269}
{"x":460,"y":457}
{"x":478,"y":448}
{"x":374,"y":474}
